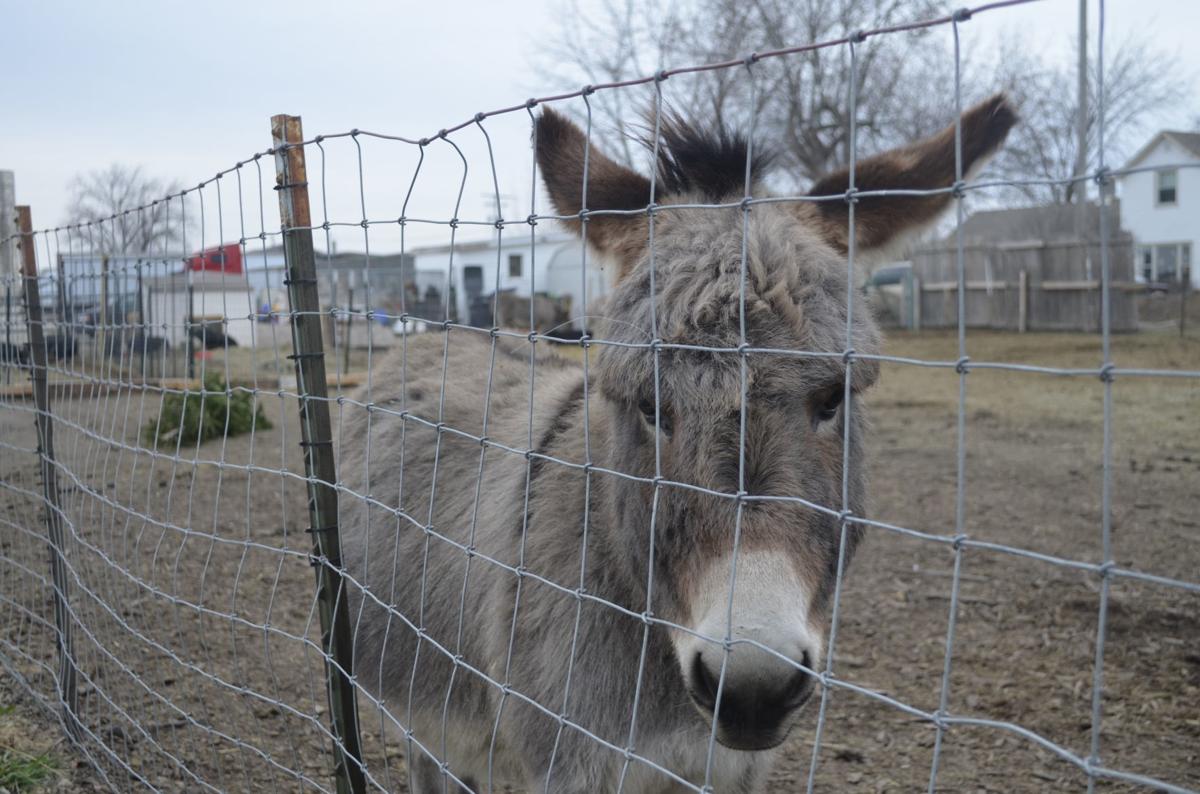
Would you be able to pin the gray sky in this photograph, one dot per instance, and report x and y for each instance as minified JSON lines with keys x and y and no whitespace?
{"x":186,"y":89}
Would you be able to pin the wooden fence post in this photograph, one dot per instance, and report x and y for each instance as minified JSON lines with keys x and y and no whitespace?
{"x":67,"y":692}
{"x":102,"y":317}
{"x":1023,"y":301}
{"x":349,"y":318}
{"x":917,"y":296}
{"x":1185,"y":288}
{"x":315,"y":429}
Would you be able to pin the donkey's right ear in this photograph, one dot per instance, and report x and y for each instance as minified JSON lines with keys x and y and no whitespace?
{"x":610,"y":186}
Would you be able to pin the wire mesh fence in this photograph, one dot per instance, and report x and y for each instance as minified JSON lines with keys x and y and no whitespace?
{"x":617,"y":563}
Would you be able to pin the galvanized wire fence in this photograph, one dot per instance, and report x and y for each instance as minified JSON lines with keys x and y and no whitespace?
{"x":157,"y":585}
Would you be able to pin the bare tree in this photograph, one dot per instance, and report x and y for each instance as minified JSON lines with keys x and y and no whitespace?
{"x":1141,"y":91}
{"x":904,"y":90}
{"x":125,"y":209}
{"x":799,"y":104}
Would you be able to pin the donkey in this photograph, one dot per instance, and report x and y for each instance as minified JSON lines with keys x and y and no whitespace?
{"x":527,"y":622}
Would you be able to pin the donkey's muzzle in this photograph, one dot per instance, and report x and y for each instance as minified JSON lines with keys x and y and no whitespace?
{"x":755,"y":703}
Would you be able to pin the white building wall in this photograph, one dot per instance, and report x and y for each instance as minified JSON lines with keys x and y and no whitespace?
{"x":236,"y":309}
{"x":265,"y":273}
{"x":1154,"y":224}
{"x":550,"y":264}
{"x":166,"y":314}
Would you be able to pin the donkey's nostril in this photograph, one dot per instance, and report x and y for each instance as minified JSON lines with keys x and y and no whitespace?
{"x":704,"y":683}
{"x":800,"y":685}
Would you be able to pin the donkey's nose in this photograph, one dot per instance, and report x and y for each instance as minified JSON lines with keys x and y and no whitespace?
{"x":760,"y":692}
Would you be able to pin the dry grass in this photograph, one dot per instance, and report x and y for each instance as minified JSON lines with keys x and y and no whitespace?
{"x":1145,"y":410}
{"x":29,"y":756}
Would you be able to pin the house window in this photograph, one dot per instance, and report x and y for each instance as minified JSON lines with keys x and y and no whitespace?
{"x":1166,"y":187}
{"x":514,"y":265}
{"x":1168,"y":262}
{"x":1146,"y":260}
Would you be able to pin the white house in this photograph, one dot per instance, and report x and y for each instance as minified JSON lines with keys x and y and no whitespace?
{"x":147,"y":290}
{"x":549,"y":263}
{"x":1160,"y":206}
{"x":216,"y":297}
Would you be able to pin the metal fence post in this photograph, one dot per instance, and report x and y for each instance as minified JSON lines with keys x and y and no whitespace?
{"x":309,"y":357}
{"x":67,"y":691}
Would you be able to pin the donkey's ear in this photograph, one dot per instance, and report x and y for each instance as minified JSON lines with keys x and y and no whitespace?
{"x":925,"y":165}
{"x":610,"y":186}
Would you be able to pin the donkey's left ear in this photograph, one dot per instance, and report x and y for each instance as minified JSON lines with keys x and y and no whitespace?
{"x":925,"y":165}
{"x":610,"y":186}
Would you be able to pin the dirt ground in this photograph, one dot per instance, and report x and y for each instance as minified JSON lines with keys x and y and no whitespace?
{"x":197,"y":649}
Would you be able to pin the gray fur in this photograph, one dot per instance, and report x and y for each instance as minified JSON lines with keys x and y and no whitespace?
{"x":795,"y":300}
{"x":529,"y":513}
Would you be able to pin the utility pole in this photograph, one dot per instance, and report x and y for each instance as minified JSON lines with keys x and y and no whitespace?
{"x":1079,"y":190}
{"x":8,"y":227}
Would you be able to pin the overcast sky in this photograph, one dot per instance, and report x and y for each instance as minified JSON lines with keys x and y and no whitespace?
{"x":185,"y":89}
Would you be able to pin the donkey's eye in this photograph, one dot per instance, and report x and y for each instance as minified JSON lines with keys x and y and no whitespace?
{"x":829,"y":405}
{"x":664,"y":417}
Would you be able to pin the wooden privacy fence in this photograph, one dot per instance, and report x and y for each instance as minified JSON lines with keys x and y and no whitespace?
{"x":1027,"y":285}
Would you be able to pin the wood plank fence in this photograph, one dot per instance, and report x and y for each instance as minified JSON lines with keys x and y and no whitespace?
{"x":1028,"y":285}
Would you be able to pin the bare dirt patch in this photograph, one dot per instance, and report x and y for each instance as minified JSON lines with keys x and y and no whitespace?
{"x":199,"y":653}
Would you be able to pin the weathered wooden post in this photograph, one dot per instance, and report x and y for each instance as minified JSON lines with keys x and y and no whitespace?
{"x":102,"y":330}
{"x":349,"y":318}
{"x":190,"y":320}
{"x":1023,"y":301}
{"x":67,"y":692}
{"x":1184,"y":289}
{"x":8,"y":266}
{"x":315,"y":429}
{"x":916,"y":326}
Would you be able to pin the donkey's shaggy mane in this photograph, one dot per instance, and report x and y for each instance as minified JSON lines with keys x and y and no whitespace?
{"x":709,"y":160}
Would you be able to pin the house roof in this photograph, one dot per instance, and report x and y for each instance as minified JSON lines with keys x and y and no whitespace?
{"x":1190,"y":141}
{"x":1048,"y":223}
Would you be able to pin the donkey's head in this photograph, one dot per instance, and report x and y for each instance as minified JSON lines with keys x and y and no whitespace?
{"x":682,"y":417}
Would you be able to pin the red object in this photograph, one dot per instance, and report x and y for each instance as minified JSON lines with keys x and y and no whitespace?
{"x":222,"y":259}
